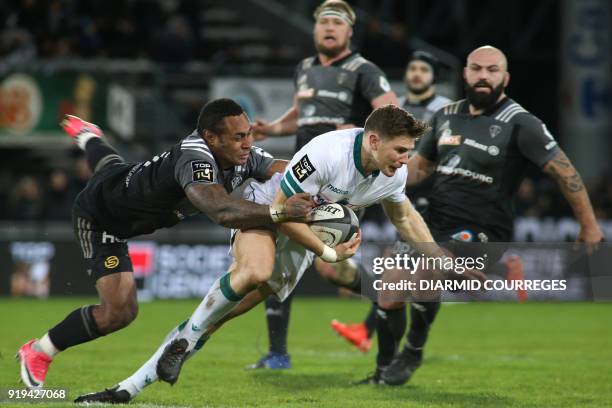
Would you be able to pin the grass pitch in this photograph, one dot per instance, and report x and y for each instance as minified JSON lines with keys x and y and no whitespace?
{"x":517,"y":355}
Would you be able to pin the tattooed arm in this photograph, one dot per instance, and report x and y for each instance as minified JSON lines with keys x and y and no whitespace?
{"x":561,"y":169}
{"x":230,"y":212}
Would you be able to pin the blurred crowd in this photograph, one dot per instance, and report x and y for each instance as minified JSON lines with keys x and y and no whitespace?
{"x":44,"y":194}
{"x":161,"y":30}
{"x":166,"y":31}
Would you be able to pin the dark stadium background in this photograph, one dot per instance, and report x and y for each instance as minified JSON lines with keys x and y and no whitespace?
{"x":164,"y":56}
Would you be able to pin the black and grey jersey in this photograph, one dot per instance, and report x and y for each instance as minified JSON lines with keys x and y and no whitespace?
{"x":425,"y":109}
{"x":480,"y":162}
{"x":137,"y":198}
{"x":337,"y":94}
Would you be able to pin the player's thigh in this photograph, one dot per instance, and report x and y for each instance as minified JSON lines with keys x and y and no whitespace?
{"x":108,"y":263}
{"x":254,"y":251}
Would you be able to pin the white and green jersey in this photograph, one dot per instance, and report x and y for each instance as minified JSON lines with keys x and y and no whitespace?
{"x":330,"y":169}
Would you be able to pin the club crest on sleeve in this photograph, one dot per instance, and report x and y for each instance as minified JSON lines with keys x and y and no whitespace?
{"x":202,"y":171}
{"x":303,"y":169}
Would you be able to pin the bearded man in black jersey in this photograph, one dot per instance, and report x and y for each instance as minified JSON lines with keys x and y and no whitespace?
{"x":476,"y":152}
{"x":123,"y":200}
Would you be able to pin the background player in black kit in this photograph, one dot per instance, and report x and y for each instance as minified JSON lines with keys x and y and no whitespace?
{"x":420,"y":76}
{"x":422,"y":101}
{"x":335,"y":89}
{"x":476,"y":152}
{"x":123,"y":200}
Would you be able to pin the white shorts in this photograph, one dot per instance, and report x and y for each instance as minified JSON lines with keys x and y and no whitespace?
{"x":292,"y":259}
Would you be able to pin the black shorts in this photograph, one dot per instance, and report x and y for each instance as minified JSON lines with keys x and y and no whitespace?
{"x":104,"y":253}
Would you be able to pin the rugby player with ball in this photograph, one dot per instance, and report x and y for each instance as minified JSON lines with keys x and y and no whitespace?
{"x":353,"y":167}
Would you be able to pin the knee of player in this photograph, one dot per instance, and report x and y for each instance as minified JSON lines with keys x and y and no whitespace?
{"x":257,"y":274}
{"x":253,"y":270}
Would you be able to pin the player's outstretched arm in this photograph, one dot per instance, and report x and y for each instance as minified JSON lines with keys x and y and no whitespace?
{"x":561,"y":169}
{"x":283,"y":126}
{"x":419,"y":168}
{"x":230,"y":212}
{"x":411,"y":226}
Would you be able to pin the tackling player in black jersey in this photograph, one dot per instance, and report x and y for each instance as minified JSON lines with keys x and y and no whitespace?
{"x":476,"y":151}
{"x":123,"y":200}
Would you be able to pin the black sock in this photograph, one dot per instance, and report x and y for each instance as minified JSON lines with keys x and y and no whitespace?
{"x":78,"y":327}
{"x":370,"y":321}
{"x":390,"y":327}
{"x":100,"y":154}
{"x":277,"y":315}
{"x":422,"y":316}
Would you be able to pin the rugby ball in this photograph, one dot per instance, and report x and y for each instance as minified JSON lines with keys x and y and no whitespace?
{"x":334,"y":223}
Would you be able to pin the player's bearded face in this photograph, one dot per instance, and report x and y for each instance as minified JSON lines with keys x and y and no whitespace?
{"x":332,"y":36}
{"x":419,"y":77}
{"x":482,"y":94}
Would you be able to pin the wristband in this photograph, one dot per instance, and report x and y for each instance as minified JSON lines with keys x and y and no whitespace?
{"x":329,"y":255}
{"x":278,"y":214}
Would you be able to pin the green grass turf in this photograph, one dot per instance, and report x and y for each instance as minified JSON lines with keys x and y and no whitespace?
{"x":479,"y":355}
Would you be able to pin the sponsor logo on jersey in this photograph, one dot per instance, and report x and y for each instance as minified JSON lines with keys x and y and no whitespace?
{"x":341,"y":95}
{"x":132,"y":171}
{"x":458,"y":171}
{"x":111,"y":262}
{"x":550,"y":145}
{"x":261,"y":152}
{"x":309,"y":110}
{"x":492,"y":150}
{"x":464,"y":236}
{"x":337,"y":190}
{"x":305,"y":93}
{"x":549,"y":135}
{"x":314,"y":120}
{"x":110,"y":238}
{"x":202,"y":171}
{"x":494,"y":130}
{"x":303,"y":169}
{"x":236,"y":181}
{"x":451,"y":140}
